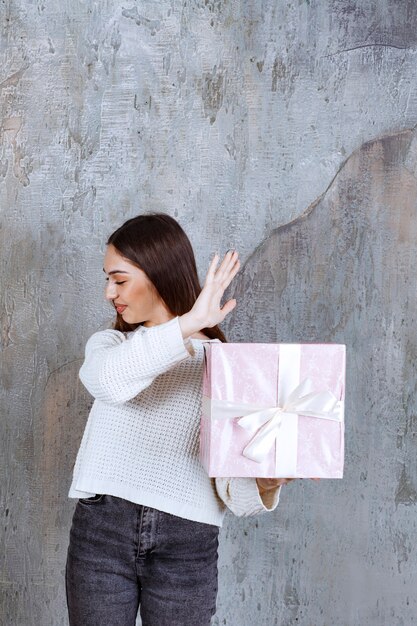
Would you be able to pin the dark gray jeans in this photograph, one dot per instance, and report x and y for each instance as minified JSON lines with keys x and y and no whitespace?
{"x":123,"y":555}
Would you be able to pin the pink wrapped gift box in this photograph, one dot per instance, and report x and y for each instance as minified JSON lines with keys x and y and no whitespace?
{"x":273,"y":410}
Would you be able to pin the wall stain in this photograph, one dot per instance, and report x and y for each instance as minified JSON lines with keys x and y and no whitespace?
{"x":212,"y":93}
{"x":406,"y":492}
{"x":403,"y":547}
{"x":13,"y":79}
{"x":152,"y":25}
{"x":11,"y":127}
{"x":283,"y":75}
{"x":279,"y":72}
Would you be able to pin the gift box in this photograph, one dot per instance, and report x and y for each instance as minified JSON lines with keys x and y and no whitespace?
{"x":273,"y":410}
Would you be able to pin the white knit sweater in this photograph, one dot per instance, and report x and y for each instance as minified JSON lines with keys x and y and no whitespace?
{"x":141,"y":440}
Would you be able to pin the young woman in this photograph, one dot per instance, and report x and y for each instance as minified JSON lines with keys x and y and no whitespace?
{"x":146,"y":523}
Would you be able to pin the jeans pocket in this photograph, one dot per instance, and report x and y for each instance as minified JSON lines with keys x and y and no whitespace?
{"x":93,"y":499}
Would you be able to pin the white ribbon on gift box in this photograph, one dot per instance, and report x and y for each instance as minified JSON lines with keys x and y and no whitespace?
{"x":272,"y":423}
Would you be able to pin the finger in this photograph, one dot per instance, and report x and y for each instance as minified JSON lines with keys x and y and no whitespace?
{"x":226,"y":274}
{"x":228,"y":262}
{"x":234,"y":261}
{"x":234,"y":267}
{"x":227,"y":308}
{"x":228,"y":279}
{"x":231,"y":258}
{"x":212,"y":268}
{"x":213,"y":273}
{"x":276,"y":482}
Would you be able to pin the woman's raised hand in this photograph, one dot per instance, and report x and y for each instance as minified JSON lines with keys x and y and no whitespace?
{"x":207,"y":306}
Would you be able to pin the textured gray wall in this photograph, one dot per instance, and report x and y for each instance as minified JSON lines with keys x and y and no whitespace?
{"x":272,"y":126}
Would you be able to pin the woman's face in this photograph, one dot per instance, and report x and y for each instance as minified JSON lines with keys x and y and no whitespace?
{"x":129,"y":287}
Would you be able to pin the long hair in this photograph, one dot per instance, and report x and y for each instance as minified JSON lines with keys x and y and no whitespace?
{"x":156,"y":244}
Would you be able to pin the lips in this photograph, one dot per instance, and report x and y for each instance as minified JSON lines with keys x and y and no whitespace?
{"x":121,"y":308}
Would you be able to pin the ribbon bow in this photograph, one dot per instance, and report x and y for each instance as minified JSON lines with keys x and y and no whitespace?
{"x":301,"y":401}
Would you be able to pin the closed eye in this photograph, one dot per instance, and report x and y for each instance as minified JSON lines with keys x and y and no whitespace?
{"x":120,"y":282}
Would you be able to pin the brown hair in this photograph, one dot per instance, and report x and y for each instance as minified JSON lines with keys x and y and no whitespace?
{"x":156,"y":244}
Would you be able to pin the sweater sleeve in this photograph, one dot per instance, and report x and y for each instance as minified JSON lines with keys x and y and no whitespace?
{"x":242,"y":497}
{"x":116,"y":369}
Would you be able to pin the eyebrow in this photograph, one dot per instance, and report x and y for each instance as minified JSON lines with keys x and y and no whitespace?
{"x":115,"y":272}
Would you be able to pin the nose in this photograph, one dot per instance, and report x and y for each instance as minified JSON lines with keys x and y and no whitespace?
{"x":110,"y":291}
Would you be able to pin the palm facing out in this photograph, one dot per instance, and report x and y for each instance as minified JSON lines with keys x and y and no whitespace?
{"x":207,"y":305}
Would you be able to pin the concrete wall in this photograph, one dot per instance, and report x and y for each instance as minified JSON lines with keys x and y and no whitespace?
{"x":284,"y":129}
